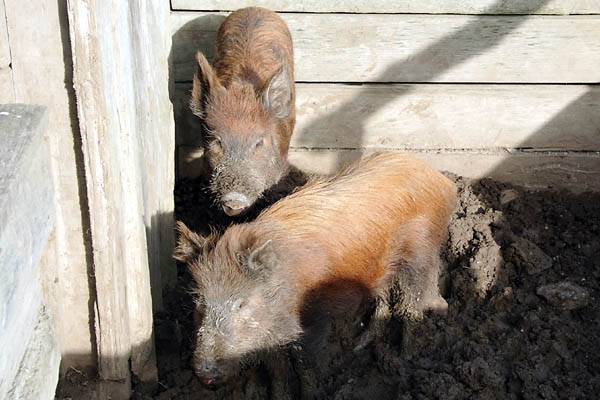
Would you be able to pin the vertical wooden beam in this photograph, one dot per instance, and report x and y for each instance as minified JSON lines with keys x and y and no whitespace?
{"x":100,"y":145}
{"x":120,"y":52}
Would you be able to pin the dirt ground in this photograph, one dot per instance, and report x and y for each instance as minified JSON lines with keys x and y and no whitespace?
{"x":523,"y":320}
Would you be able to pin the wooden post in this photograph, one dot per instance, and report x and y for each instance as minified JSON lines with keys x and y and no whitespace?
{"x":120,"y":52}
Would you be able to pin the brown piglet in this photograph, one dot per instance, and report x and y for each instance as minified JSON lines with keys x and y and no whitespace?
{"x":246,"y":104}
{"x":323,"y":251}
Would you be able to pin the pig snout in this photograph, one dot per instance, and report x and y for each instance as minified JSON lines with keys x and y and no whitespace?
{"x":235,"y":203}
{"x":208,"y":374}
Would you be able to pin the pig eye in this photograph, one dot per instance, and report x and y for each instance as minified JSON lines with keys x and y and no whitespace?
{"x":238,"y":305}
{"x":260,"y":143}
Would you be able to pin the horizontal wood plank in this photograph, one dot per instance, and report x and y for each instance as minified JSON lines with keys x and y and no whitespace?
{"x":573,"y":171}
{"x":419,"y":48}
{"x":577,"y":173}
{"x":404,"y":6}
{"x":428,"y":116}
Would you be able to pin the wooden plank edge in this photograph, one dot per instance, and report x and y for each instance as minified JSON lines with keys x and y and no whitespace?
{"x":577,"y":172}
{"x":559,"y":7}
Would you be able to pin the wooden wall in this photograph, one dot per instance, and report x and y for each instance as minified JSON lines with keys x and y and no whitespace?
{"x":101,"y":69}
{"x":35,"y":33}
{"x":481,"y":88}
{"x":7,"y":91}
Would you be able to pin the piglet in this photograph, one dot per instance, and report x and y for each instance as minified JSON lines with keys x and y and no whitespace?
{"x":246,"y":104}
{"x":323,"y":251}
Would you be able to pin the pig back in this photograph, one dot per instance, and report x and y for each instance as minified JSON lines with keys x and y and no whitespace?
{"x":253,"y":43}
{"x":353,"y":216}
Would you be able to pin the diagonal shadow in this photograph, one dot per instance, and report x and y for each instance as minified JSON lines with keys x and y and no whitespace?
{"x":573,"y":160}
{"x":465,"y":44}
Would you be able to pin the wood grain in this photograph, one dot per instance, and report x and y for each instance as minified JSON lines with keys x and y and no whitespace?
{"x":428,"y":116}
{"x":7,"y":94}
{"x":4,"y":46}
{"x":403,"y":6}
{"x":26,"y":220}
{"x":40,"y":71}
{"x":577,"y":173}
{"x":419,"y":48}
{"x":127,"y":135}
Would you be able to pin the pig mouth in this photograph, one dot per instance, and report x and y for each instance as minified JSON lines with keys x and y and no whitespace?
{"x":210,"y":382}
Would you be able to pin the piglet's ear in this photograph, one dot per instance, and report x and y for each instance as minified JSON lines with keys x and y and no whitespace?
{"x":263,"y":258}
{"x":189,"y":244}
{"x":205,"y":82}
{"x":276,"y":96}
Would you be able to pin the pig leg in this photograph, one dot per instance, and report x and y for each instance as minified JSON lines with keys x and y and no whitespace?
{"x":283,"y":380}
{"x":307,"y":372}
{"x":413,"y":259}
{"x":378,"y":323}
{"x":419,"y":287}
{"x":332,"y":299}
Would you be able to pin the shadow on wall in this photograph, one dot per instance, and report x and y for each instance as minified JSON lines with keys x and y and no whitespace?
{"x":576,"y":129}
{"x":464,"y":47}
{"x":427,"y":64}
{"x":187,"y":125}
{"x":461,"y":42}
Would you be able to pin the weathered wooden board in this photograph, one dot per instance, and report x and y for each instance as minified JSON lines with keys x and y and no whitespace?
{"x":7,"y":90}
{"x":403,"y":6}
{"x":576,"y":172}
{"x":26,"y":219}
{"x":38,"y":372}
{"x":41,"y":70}
{"x":4,"y":47}
{"x":419,"y":48}
{"x":429,"y":116}
{"x":120,"y":77}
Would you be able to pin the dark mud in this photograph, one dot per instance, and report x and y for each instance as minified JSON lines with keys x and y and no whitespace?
{"x":509,"y":333}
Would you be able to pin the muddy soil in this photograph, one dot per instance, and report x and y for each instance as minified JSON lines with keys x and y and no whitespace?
{"x":523,"y":322}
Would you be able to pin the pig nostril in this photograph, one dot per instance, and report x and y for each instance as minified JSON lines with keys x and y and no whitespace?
{"x":234,"y":203}
{"x":235,"y":197}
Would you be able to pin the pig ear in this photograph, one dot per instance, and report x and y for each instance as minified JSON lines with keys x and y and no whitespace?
{"x":189,"y":244}
{"x":205,"y":82}
{"x":263,"y":258}
{"x":276,"y":97}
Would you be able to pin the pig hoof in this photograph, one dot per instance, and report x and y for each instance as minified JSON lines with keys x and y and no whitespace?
{"x":366,"y":339}
{"x":438,"y":306}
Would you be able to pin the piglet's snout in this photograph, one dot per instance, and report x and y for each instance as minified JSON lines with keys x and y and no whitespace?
{"x":234,"y":203}
{"x":208,"y":374}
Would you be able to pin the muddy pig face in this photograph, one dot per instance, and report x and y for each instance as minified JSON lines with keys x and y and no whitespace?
{"x":245,"y":131}
{"x":241,"y":306}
